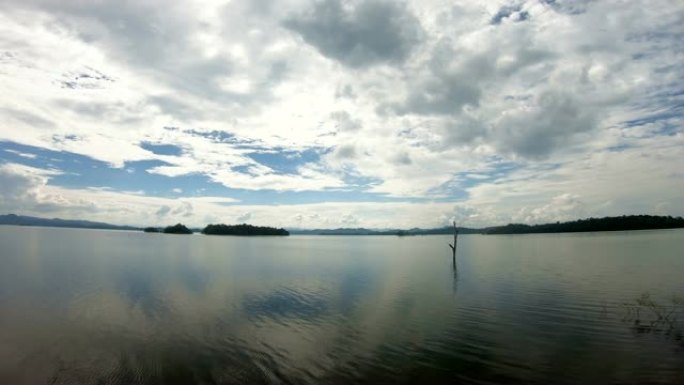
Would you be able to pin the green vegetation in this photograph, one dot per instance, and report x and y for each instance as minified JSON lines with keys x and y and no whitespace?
{"x":177,"y":229}
{"x":625,"y":222}
{"x":243,"y":229}
{"x":649,"y":316}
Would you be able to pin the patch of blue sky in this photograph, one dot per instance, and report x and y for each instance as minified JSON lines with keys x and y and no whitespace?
{"x":30,"y":156}
{"x":134,"y":177}
{"x":619,"y":147}
{"x":79,"y":172}
{"x":285,"y":162}
{"x":359,"y":182}
{"x":457,"y":188}
{"x":162,"y":149}
{"x":675,"y":112}
{"x":220,"y":137}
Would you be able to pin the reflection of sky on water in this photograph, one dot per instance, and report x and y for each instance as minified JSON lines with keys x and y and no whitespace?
{"x":318,"y":309}
{"x":285,"y":303}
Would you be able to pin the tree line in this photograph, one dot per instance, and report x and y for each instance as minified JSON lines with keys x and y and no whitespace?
{"x":621,"y":223}
{"x":220,"y":229}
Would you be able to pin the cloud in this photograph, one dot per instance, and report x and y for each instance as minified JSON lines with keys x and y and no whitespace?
{"x":22,"y":154}
{"x":184,"y":209}
{"x":510,"y":12}
{"x":345,"y":122}
{"x":359,"y":34}
{"x":163,"y":211}
{"x":19,"y":184}
{"x":23,"y":188}
{"x":553,"y":120}
{"x":244,"y":217}
{"x":299,"y":101}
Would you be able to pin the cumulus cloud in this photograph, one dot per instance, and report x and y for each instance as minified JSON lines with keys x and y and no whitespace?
{"x":23,"y":188}
{"x":360,"y":33}
{"x":19,"y":185}
{"x":379,"y":100}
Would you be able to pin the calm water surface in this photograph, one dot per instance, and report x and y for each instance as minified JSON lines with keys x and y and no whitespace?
{"x":107,"y":307}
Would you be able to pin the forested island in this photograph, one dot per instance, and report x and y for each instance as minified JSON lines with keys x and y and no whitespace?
{"x":178,"y":228}
{"x":243,"y":229}
{"x":622,"y":223}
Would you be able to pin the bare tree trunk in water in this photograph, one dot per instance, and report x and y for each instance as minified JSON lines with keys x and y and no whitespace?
{"x":453,"y":247}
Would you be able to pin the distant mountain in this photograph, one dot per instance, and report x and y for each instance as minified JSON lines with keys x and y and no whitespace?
{"x":622,"y":223}
{"x":399,"y":232}
{"x":21,"y":220}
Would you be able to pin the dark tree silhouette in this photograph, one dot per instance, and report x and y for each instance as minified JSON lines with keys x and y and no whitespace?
{"x":243,"y":229}
{"x":625,"y":222}
{"x":177,"y":229}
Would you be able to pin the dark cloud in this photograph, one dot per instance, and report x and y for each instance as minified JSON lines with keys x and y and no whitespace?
{"x":464,"y":131}
{"x":163,"y":211}
{"x":452,"y":80}
{"x":445,"y":88}
{"x":572,"y":7}
{"x":185,"y":210}
{"x":401,"y":158}
{"x":88,"y":78}
{"x":174,"y":106}
{"x":118,"y":112}
{"x":554,"y":122}
{"x":369,"y":33}
{"x":512,"y":12}
{"x":344,"y":121}
{"x":345,"y":151}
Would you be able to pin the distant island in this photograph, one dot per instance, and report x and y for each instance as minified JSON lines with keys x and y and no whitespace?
{"x":243,"y":229}
{"x":621,"y":223}
{"x":175,"y":229}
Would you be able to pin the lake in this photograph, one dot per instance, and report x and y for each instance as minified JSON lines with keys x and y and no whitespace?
{"x":115,"y":307}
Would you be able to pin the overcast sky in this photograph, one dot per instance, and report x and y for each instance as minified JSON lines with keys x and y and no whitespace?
{"x":335,"y":113}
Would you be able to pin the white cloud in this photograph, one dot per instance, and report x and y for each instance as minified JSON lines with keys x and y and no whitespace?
{"x":405,"y":96}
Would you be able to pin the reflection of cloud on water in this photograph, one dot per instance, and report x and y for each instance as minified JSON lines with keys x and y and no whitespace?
{"x":315,"y":310}
{"x":285,"y":303}
{"x":140,"y":291}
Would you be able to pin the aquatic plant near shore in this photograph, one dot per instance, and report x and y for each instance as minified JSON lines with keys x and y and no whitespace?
{"x":649,"y":316}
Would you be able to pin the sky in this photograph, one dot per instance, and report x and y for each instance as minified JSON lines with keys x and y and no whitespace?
{"x":341,"y":113}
